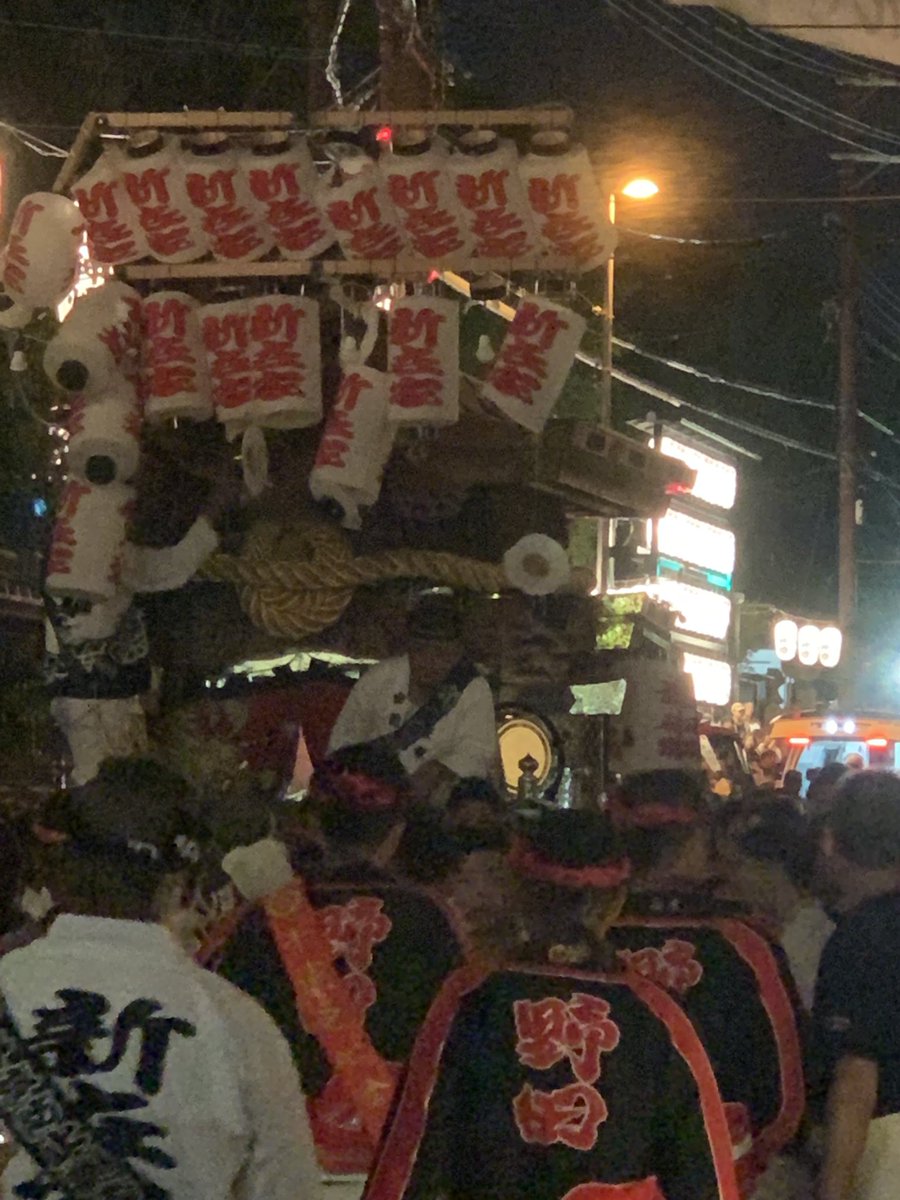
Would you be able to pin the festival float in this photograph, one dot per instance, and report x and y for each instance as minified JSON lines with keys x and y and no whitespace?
{"x":366,"y":327}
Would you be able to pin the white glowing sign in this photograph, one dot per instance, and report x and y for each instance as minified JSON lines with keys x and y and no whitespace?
{"x":716,"y":481}
{"x":691,"y":540}
{"x":809,"y":644}
{"x":698,"y":610}
{"x":712,"y":678}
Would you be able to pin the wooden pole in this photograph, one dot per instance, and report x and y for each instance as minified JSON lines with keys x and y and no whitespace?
{"x":847,"y":437}
{"x":409,"y":68}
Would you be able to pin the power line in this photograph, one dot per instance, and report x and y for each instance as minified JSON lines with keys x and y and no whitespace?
{"x":798,"y":55}
{"x":689,"y":241}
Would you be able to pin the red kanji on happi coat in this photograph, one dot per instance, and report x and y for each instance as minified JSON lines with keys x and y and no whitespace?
{"x":672,"y":967}
{"x":552,"y":1029}
{"x":353,"y":931}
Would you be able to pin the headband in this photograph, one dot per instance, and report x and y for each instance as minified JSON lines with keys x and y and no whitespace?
{"x":654,"y":815}
{"x":528,"y":861}
{"x":357,"y":791}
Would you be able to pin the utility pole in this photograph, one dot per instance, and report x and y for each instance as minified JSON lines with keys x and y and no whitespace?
{"x":847,"y":436}
{"x":410,"y":72}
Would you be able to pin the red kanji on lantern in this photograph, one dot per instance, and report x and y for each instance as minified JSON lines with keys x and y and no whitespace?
{"x":579,"y":1029}
{"x":570,"y":1115}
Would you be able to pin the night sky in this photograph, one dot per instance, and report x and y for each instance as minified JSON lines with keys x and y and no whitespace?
{"x":758,"y":304}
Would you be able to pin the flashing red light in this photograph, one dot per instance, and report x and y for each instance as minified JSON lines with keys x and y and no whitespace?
{"x":798,"y":741}
{"x":384,"y":134}
{"x":679,"y":489}
{"x":877,"y":743}
{"x":433,"y":276}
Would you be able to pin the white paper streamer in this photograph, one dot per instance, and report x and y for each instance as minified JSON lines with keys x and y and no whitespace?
{"x":423,"y":361}
{"x":534,"y":361}
{"x":41,"y":257}
{"x":85,"y":559}
{"x":255,"y":461}
{"x":175,"y":379}
{"x":113,"y":225}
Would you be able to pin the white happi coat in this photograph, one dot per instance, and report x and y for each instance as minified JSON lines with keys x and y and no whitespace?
{"x":184,"y":1071}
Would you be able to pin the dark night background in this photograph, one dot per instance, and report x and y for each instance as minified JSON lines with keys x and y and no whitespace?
{"x":755,"y":302}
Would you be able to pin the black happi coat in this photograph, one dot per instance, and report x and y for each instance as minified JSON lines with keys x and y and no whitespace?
{"x":394,"y":945}
{"x":735,"y":987}
{"x":554,"y":1084}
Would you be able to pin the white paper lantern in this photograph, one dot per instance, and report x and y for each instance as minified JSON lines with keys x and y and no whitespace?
{"x":104,"y":438}
{"x":362,"y":216}
{"x":113,"y":225}
{"x":175,"y":379}
{"x":284,"y":184}
{"x":491,"y":197}
{"x":287,"y":376}
{"x":423,"y":361}
{"x":784,"y":637}
{"x":226,"y":338}
{"x":219,"y":191}
{"x":534,"y":361}
{"x":41,"y":257}
{"x":831,"y":642}
{"x":808,"y":645}
{"x":152,"y":170}
{"x":356,"y":444}
{"x":85,"y":559}
{"x":425,"y":202}
{"x":98,"y":343}
{"x":566,"y":206}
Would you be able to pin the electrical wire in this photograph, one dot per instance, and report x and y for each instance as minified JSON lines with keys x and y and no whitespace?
{"x":689,"y":241}
{"x":796,"y":50}
{"x":674,"y":42}
{"x":33,"y":142}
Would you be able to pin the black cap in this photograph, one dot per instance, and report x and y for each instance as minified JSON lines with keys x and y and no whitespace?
{"x":572,"y":847}
{"x":435,"y":617}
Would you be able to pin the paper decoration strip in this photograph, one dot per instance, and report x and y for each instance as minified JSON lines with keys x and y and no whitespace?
{"x":534,"y":361}
{"x":423,"y":361}
{"x":113,"y":225}
{"x":41,"y":257}
{"x":284,"y":186}
{"x":425,"y":202}
{"x":493,"y":202}
{"x":85,"y":559}
{"x":284,"y":344}
{"x":226,"y":338}
{"x":175,"y":380}
{"x":356,"y":444}
{"x":97,"y":345}
{"x":230,"y":218}
{"x":108,"y":427}
{"x":567,"y":208}
{"x":657,"y":728}
{"x":155,"y":186}
{"x":362,"y":216}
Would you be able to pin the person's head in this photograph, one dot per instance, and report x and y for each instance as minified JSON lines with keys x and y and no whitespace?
{"x":769,"y":864}
{"x":360,"y":795}
{"x":120,"y":845}
{"x":664,"y":818}
{"x":823,"y":788}
{"x":854,"y":762}
{"x":428,"y":852}
{"x":433,"y":639}
{"x":572,"y":872}
{"x":792,"y":784}
{"x":861,"y":837}
{"x":475,"y":804}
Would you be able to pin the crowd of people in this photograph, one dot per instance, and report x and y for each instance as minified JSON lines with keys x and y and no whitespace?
{"x":671,"y":997}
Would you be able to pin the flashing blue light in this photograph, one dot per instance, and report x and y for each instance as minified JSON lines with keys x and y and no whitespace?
{"x":39,"y":506}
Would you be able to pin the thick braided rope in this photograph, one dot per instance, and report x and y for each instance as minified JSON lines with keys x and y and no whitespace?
{"x":303,"y":595}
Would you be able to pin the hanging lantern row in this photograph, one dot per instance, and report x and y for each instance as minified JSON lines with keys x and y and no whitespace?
{"x":178,"y":200}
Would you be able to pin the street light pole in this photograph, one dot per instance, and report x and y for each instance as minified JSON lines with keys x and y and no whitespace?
{"x":609,"y":306}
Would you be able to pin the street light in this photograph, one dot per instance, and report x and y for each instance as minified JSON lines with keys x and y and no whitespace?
{"x":636,"y":189}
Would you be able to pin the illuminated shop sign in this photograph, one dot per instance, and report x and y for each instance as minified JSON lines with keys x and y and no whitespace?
{"x":692,"y":540}
{"x":716,"y":481}
{"x":698,"y":610}
{"x":712,"y":678}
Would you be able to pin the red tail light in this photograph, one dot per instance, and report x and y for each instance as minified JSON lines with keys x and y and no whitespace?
{"x":798,"y":741}
{"x":877,"y":743}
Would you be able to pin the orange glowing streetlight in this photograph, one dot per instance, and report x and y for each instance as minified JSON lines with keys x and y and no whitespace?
{"x":640,"y":189}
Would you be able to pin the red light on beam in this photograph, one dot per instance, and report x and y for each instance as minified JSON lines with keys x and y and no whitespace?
{"x":384,"y":134}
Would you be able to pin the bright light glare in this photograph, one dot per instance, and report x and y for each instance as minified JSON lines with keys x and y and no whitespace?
{"x":640,"y":189}
{"x":849,"y":727}
{"x":830,"y":726}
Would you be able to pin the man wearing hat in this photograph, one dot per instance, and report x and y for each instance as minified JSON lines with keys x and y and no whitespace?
{"x":547,"y":1080}
{"x":179,"y":1074}
{"x":430,"y":705}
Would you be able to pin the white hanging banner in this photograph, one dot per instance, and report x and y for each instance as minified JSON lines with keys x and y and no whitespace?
{"x":226,"y":339}
{"x":106,"y":428}
{"x":423,"y":361}
{"x":219,"y":191}
{"x":113,"y":225}
{"x":658,"y":726}
{"x":423,"y":197}
{"x":363,"y":217}
{"x":284,"y":185}
{"x":567,"y":208}
{"x":175,"y":379}
{"x":155,"y":185}
{"x":97,"y":345}
{"x":356,"y":444}
{"x":493,"y":201}
{"x":85,"y":559}
{"x":40,"y":261}
{"x":284,"y":345}
{"x":534,"y":361}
